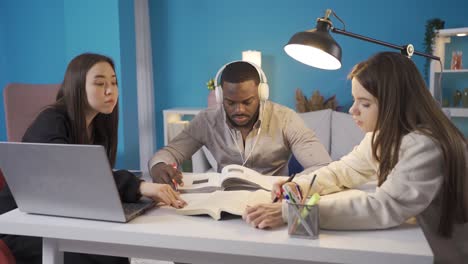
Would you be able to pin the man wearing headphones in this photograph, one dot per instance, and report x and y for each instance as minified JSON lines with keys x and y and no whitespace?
{"x":244,"y":129}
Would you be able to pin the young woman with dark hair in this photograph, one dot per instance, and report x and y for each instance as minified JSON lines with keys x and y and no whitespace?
{"x":85,"y":112}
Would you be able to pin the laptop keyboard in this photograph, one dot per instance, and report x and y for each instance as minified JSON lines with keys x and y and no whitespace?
{"x":131,"y":208}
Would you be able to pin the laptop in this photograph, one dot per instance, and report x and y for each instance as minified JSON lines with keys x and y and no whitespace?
{"x":65,"y":180}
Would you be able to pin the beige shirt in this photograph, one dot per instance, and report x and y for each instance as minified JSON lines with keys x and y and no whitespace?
{"x":412,"y":189}
{"x":282,"y":133}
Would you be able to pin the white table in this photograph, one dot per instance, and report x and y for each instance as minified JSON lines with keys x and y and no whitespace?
{"x":161,"y":234}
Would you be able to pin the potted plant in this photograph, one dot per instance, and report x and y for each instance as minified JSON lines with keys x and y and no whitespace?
{"x":315,"y":103}
{"x":431,"y":26}
{"x":211,"y":96}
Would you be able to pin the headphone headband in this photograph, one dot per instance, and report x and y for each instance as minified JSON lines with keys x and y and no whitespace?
{"x":263,"y":89}
{"x":261,"y":74}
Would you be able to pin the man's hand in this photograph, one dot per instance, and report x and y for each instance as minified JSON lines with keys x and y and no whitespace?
{"x":166,"y":174}
{"x":264,"y":215}
{"x":162,"y":193}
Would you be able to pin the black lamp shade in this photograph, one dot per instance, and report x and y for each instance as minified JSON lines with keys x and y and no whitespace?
{"x":315,"y":48}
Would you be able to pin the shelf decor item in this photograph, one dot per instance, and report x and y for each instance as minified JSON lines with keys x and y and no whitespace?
{"x":252,"y":56}
{"x":465,"y":98}
{"x":457,"y":96}
{"x":445,"y":102}
{"x":456,"y":63}
{"x":211,"y":96}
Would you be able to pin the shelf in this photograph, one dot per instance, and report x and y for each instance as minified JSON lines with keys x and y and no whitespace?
{"x":183,"y":110}
{"x":457,"y":111}
{"x":173,"y":125}
{"x":454,"y":71}
{"x":451,"y":31}
{"x":175,"y":115}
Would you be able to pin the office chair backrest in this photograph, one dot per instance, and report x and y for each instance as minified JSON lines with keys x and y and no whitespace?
{"x":22,"y":104}
{"x":6,"y":257}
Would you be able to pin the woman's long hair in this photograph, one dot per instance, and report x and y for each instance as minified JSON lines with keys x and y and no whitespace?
{"x":72,"y":98}
{"x":406,"y":105}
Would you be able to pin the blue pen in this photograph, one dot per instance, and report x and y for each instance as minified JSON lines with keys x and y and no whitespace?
{"x":286,"y":196}
{"x":292,"y":196}
{"x":289,"y":180}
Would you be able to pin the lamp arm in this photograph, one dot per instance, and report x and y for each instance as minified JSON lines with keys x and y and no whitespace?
{"x":407,"y":50}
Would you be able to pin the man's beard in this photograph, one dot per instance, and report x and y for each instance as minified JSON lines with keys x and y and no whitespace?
{"x":248,"y":124}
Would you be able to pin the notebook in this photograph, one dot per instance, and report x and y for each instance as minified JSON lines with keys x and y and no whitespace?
{"x":65,"y":180}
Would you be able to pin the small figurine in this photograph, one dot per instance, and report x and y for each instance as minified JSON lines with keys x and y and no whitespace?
{"x":457,"y":96}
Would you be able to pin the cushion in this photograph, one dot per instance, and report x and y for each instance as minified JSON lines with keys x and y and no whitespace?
{"x":203,"y":161}
{"x":345,"y":135}
{"x":320,"y":122}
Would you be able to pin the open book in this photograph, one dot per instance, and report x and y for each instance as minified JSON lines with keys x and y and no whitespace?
{"x":213,"y":204}
{"x":232,"y":177}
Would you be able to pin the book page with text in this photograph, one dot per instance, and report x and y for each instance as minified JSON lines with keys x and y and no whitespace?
{"x":201,"y":182}
{"x":236,"y":177}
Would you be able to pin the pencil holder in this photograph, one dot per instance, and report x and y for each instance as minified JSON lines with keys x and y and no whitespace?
{"x":303,"y":220}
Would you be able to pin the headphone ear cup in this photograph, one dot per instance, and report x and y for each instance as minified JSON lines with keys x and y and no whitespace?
{"x":263,"y":91}
{"x":219,"y":94}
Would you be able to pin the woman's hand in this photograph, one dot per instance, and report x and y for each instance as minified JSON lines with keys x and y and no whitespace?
{"x":264,"y":215}
{"x":277,"y":190}
{"x":162,"y":193}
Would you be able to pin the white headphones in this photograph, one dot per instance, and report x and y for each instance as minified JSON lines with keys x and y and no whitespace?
{"x":263,"y":89}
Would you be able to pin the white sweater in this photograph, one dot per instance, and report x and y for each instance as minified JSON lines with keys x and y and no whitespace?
{"x":412,"y":189}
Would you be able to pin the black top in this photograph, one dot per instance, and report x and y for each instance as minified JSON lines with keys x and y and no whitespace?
{"x":53,"y":126}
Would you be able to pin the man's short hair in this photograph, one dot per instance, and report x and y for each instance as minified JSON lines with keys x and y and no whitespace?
{"x":240,"y":71}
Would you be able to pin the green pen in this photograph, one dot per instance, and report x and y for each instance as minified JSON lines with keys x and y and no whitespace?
{"x":313,"y":200}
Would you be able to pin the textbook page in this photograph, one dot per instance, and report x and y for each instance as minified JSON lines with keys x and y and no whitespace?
{"x":200,"y":182}
{"x":233,"y":177}
{"x":213,"y":204}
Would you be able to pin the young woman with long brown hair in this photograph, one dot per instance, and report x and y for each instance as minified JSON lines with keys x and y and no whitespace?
{"x":418,"y":157}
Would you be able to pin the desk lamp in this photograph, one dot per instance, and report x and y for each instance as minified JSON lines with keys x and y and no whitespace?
{"x":317,"y":48}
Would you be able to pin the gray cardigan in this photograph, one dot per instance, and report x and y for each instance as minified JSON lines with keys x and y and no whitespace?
{"x":412,"y":189}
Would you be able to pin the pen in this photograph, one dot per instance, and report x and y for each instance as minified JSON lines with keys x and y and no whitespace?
{"x":314,"y":199}
{"x":310,"y":188}
{"x":176,"y":186}
{"x":292,"y":195}
{"x":299,"y":192}
{"x":289,"y":180}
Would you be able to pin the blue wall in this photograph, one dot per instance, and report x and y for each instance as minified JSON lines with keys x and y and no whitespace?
{"x":41,"y":37}
{"x":3,"y":71}
{"x":128,"y":87}
{"x":193,"y":39}
{"x":28,"y":53}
